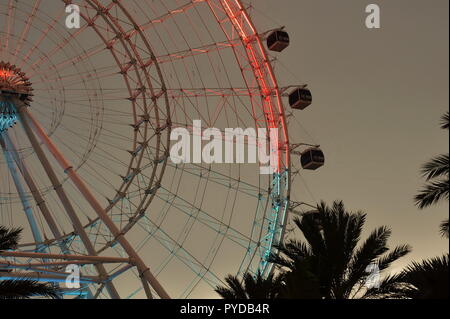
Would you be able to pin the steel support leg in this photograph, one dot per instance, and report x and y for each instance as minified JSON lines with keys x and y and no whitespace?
{"x":9,"y":146}
{"x":23,"y":197}
{"x":40,"y":202}
{"x":144,"y":271}
{"x":65,"y":200}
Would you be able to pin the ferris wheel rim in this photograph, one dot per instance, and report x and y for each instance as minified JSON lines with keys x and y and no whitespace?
{"x":155,"y":180}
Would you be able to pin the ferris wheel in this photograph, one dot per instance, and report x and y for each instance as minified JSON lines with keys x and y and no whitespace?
{"x":86,"y":118}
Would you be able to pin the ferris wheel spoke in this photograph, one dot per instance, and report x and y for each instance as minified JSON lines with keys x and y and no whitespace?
{"x":181,"y":254}
{"x":176,"y":250}
{"x":77,"y":79}
{"x":203,"y":217}
{"x":162,"y":18}
{"x":88,"y":138}
{"x":76,"y":58}
{"x":222,"y":98}
{"x":208,"y":172}
{"x":8,"y":25}
{"x":60,"y":46}
{"x":193,"y":52}
{"x":212,"y":92}
{"x":26,"y":30}
{"x":43,"y":35}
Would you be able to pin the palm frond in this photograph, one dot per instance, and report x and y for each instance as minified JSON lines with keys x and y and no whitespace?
{"x":259,"y":287}
{"x":432,"y":193}
{"x":444,"y":229}
{"x":427,"y":279}
{"x":398,"y":252}
{"x":391,"y":287}
{"x":374,"y":246}
{"x":437,"y":167}
{"x":353,"y":233}
{"x":312,"y":233}
{"x":445,"y":121}
{"x":9,"y":238}
{"x":289,"y":252}
{"x":251,"y":287}
{"x":25,"y":289}
{"x":233,"y":290}
{"x":369,"y":252}
{"x":281,"y":261}
{"x":225,"y":292}
{"x":342,"y":232}
{"x":236,"y":286}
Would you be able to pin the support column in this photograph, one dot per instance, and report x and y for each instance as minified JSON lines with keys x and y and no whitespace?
{"x":23,"y":197}
{"x":8,"y":144}
{"x":64,"y":199}
{"x":144,"y":271}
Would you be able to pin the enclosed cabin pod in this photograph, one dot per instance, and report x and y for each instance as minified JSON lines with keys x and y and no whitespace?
{"x":312,"y":159}
{"x":300,"y":98}
{"x":278,"y":41}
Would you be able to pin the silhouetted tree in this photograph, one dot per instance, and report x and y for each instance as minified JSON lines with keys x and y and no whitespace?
{"x":20,"y":289}
{"x":436,"y":173}
{"x":251,"y":287}
{"x":330,"y":252}
{"x":425,"y":280}
{"x":300,"y":282}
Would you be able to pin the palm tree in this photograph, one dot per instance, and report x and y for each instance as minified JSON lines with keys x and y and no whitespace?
{"x":331,"y":252}
{"x":436,"y":173}
{"x":300,"y":282}
{"x":425,"y":280}
{"x":252,"y":287}
{"x":428,"y":279}
{"x":9,"y":238}
{"x":24,"y":289}
{"x":20,"y":289}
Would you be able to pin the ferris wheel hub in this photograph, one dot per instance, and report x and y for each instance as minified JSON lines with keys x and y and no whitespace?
{"x":14,"y":86}
{"x":14,"y":83}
